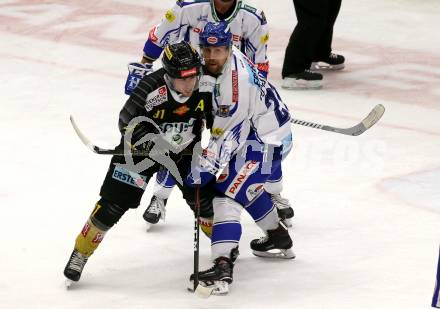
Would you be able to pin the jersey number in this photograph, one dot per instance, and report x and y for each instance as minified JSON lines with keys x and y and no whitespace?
{"x":159,"y":114}
{"x":281,"y":112}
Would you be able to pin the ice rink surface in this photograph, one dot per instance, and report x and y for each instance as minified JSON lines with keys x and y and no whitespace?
{"x":367,"y":224}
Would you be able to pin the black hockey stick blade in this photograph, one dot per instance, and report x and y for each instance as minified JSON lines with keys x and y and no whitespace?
{"x":372,"y":118}
{"x":103,"y":151}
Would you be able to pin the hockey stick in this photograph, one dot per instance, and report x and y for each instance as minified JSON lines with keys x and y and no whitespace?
{"x":372,"y":118}
{"x":198,"y":289}
{"x":104,"y":151}
{"x":196,"y":237}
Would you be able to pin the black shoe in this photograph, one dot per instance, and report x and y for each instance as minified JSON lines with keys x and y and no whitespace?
{"x":278,"y":240}
{"x":221,"y":271}
{"x":156,"y":210}
{"x":75,"y":265}
{"x":303,"y":80}
{"x":332,"y":62}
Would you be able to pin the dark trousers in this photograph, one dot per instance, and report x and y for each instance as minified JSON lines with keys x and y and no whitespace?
{"x":311,"y":39}
{"x":125,"y":188}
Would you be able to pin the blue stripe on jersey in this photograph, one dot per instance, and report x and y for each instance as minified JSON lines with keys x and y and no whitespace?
{"x":260,"y":207}
{"x":226,"y":231}
{"x":252,"y":48}
{"x":235,"y":63}
{"x":152,"y":50}
{"x":276,"y":176}
{"x":166,"y":37}
{"x":236,"y":131}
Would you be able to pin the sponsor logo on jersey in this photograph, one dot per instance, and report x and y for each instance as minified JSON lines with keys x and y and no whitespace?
{"x":249,"y":8}
{"x":216,"y":90}
{"x":124,"y":176}
{"x":264,"y":39}
{"x":152,"y":35}
{"x":253,"y":191}
{"x":156,"y":97}
{"x":236,"y":38}
{"x":169,"y":16}
{"x":139,"y":182}
{"x":202,"y":18}
{"x":208,"y":153}
{"x":264,"y":67}
{"x":224,"y":175}
{"x":181,"y":110}
{"x":177,"y":127}
{"x":234,"y":86}
{"x":177,"y":138}
{"x":197,"y":30}
{"x":223,"y":111}
{"x":163,"y":90}
{"x":247,"y":169}
{"x":217,"y":132}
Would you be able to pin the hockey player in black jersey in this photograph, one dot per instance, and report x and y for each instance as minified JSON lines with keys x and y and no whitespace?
{"x":168,"y":109}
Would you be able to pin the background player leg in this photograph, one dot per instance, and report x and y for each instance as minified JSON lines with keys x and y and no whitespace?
{"x":162,"y":190}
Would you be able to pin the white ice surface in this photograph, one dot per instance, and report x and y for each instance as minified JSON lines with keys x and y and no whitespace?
{"x":367,"y":225}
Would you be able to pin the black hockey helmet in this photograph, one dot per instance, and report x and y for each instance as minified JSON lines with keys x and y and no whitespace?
{"x":181,"y":60}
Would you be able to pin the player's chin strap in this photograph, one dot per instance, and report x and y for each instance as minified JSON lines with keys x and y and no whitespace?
{"x":174,"y":92}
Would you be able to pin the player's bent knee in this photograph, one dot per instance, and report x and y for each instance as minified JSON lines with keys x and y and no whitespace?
{"x":106,"y":214}
{"x":226,"y":209}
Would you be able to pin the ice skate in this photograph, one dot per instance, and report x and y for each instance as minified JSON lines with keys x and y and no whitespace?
{"x":276,"y":244}
{"x":333,"y":62}
{"x":74,"y":267}
{"x":215,"y":280}
{"x":155,"y":211}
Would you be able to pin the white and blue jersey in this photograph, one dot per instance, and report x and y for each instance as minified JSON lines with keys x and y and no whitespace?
{"x":188,"y":18}
{"x":243,"y":104}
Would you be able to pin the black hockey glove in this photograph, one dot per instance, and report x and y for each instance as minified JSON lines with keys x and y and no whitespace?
{"x":141,"y":138}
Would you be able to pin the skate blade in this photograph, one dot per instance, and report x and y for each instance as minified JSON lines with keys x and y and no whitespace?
{"x":148,"y":226}
{"x":68,"y":283}
{"x":218,"y":288}
{"x":275,"y":253}
{"x":287,"y":222}
{"x":296,"y":84}
{"x":322,"y":66}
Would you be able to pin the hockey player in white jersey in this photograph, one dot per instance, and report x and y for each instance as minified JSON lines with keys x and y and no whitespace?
{"x":251,"y":134}
{"x":185,"y":21}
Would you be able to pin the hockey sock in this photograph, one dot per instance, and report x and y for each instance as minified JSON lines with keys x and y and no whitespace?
{"x":91,"y":235}
{"x":263,"y":212}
